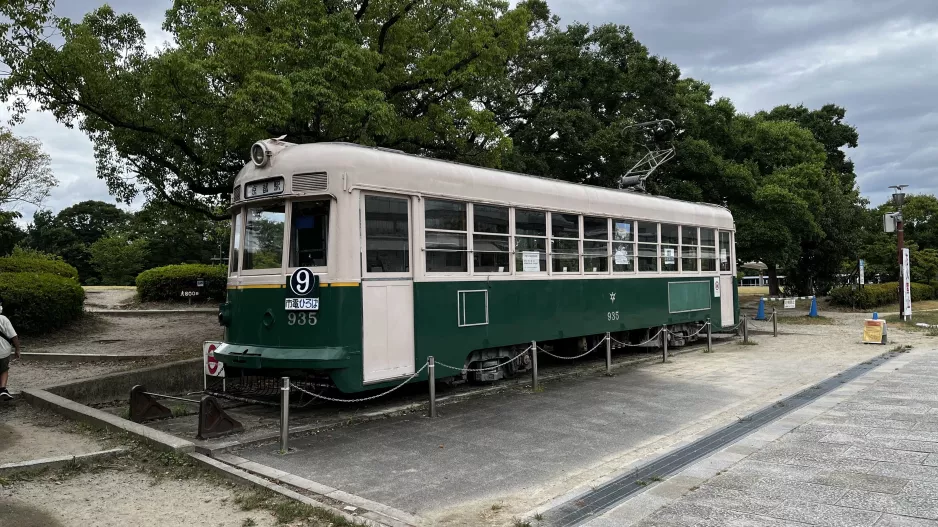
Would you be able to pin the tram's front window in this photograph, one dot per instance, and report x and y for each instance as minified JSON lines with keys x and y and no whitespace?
{"x":309,"y":234}
{"x":263,"y":237}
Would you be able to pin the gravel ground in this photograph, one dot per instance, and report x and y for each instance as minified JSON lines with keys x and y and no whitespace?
{"x":180,"y":334}
{"x":119,"y":498}
{"x":108,"y":298}
{"x":34,"y":374}
{"x":27,"y":434}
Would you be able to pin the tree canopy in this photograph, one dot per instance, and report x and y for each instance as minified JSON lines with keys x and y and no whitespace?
{"x":485,"y":82}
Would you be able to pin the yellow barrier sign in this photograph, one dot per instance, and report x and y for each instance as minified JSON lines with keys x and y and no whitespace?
{"x":874,"y":332}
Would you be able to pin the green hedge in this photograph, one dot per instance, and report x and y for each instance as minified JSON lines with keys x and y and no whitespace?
{"x":39,"y":302}
{"x":166,"y":283}
{"x":32,"y":262}
{"x":876,"y":295}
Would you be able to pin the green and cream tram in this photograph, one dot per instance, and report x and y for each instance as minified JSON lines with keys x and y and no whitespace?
{"x":394,"y":258}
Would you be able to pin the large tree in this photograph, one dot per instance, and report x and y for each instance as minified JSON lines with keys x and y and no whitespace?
{"x":25,"y":173}
{"x":178,"y":122}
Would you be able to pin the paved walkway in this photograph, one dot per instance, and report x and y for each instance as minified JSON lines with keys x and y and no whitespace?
{"x":513,"y":451}
{"x":864,"y":455}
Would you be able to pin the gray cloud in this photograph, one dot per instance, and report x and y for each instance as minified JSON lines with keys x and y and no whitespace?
{"x":875,"y":58}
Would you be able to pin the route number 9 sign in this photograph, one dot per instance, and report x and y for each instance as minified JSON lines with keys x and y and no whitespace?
{"x":302,"y":291}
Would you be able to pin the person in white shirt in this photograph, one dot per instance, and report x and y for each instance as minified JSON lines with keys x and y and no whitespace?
{"x":9,"y":344}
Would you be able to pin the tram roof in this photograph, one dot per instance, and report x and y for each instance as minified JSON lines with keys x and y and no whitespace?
{"x":393,"y":171}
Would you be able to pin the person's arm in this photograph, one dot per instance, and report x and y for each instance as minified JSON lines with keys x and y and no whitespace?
{"x":16,"y":347}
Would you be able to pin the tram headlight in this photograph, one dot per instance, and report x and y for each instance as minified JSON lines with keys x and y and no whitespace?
{"x":224,"y":314}
{"x":259,"y":154}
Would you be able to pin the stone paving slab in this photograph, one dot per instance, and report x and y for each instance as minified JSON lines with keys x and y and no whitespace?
{"x":871,"y":459}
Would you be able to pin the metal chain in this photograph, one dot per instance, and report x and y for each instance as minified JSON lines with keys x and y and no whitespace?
{"x":692,"y":334}
{"x":509,"y":361}
{"x":542,"y":350}
{"x":640,"y":343}
{"x":363,"y":399}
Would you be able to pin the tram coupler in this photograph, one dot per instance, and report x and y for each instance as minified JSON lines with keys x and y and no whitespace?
{"x":214,"y":421}
{"x":144,"y":407}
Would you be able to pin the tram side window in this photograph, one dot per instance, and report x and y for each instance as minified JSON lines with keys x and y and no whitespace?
{"x":263,"y":237}
{"x":530,"y":241}
{"x":309,"y":234}
{"x":725,"y":255}
{"x":688,"y":248}
{"x":669,"y":247}
{"x":387,"y":238}
{"x":446,"y":236}
{"x":595,"y":245}
{"x":647,"y":247}
{"x":235,"y":242}
{"x":565,"y":242}
{"x":490,"y":240}
{"x":708,"y":251}
{"x":623,"y":246}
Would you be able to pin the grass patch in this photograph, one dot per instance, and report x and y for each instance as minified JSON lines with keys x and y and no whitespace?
{"x":179,"y":410}
{"x":924,"y":317}
{"x":288,"y":511}
{"x":931,"y":332}
{"x":522,"y":523}
{"x":806,"y":321}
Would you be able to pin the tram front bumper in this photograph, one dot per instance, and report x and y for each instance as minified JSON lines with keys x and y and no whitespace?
{"x":258,"y":357}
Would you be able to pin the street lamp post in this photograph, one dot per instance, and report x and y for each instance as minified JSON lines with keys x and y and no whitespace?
{"x":898,"y":198}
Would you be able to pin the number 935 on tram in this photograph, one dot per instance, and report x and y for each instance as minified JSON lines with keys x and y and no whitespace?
{"x":350,"y":266}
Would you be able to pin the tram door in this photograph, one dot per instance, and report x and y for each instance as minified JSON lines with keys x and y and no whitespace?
{"x":727,"y":275}
{"x":387,"y":288}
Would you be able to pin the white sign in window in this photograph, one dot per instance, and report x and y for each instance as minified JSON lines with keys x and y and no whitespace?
{"x":622,"y":257}
{"x":668,"y":255}
{"x":530,"y":261}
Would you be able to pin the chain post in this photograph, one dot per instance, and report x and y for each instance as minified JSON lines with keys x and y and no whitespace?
{"x":534,"y":365}
{"x":709,"y":336}
{"x":431,"y":372}
{"x":285,"y":415}
{"x":664,"y":339}
{"x":745,"y":330}
{"x":774,"y":322}
{"x":608,"y":354}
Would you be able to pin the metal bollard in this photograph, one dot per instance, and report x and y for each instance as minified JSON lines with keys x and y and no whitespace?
{"x":285,"y":415}
{"x":664,"y":349}
{"x":534,"y":365}
{"x":431,"y":373}
{"x":709,"y":336}
{"x":745,"y":330}
{"x":608,"y":354}
{"x":774,"y":322}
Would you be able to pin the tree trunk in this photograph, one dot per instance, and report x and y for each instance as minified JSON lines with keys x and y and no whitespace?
{"x":773,"y":280}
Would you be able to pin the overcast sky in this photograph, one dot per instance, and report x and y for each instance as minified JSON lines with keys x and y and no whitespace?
{"x":876,"y":58}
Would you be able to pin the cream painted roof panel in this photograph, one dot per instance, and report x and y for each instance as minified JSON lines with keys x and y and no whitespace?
{"x":374,"y":168}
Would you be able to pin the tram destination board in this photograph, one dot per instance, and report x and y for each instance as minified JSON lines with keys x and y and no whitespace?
{"x":302,"y":291}
{"x":267,"y":187}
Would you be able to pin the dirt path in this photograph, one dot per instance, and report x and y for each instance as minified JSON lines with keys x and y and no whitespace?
{"x":108,"y":297}
{"x":27,"y":434}
{"x":119,"y":498}
{"x":131,"y":335}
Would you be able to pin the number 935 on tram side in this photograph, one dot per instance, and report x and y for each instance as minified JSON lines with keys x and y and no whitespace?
{"x":350,"y":265}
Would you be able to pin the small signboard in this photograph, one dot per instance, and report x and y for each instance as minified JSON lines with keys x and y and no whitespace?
{"x":789,"y":303}
{"x":906,"y":284}
{"x":200,"y":282}
{"x":621,"y":257}
{"x":267,"y":187}
{"x":716,"y":287}
{"x":302,"y":291}
{"x":530,"y":261}
{"x":212,"y":366}
{"x":862,"y":269}
{"x":874,"y":332}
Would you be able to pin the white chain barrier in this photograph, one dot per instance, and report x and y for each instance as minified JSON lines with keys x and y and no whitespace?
{"x":542,"y":350}
{"x":490,"y":368}
{"x":691,"y":334}
{"x":363,"y":399}
{"x":649,"y":341}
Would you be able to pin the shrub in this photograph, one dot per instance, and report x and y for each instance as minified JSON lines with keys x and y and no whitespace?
{"x":29,"y":261}
{"x":118,"y":259}
{"x":166,"y":283}
{"x":38,"y":302}
{"x":876,"y":295}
